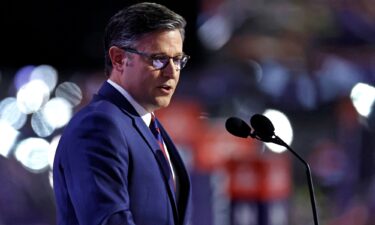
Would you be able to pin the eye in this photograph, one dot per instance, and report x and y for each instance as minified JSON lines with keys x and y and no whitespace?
{"x":159,"y":61}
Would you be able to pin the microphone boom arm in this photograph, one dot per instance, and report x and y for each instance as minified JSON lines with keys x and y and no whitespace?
{"x":277,"y":140}
{"x":264,"y":131}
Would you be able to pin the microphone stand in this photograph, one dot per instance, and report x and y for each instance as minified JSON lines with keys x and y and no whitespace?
{"x":265,"y":133}
{"x":277,"y":140}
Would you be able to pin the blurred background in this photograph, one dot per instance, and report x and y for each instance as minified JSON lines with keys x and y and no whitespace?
{"x":308,"y":65}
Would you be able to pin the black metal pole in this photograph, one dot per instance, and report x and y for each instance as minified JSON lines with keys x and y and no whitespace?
{"x":309,"y":177}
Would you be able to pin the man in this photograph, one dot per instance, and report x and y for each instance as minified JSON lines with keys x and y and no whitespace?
{"x":110,"y":166}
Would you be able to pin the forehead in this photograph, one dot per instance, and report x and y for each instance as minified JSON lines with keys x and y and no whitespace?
{"x":161,"y":41}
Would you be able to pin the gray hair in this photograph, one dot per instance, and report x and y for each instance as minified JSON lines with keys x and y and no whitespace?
{"x":132,"y":23}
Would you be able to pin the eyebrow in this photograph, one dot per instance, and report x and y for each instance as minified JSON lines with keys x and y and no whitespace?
{"x":164,"y":54}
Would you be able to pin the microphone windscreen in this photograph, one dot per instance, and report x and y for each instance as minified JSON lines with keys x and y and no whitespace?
{"x":237,"y":127}
{"x":262,"y":126}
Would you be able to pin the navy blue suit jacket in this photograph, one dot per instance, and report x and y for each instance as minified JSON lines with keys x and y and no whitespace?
{"x":109,"y":169}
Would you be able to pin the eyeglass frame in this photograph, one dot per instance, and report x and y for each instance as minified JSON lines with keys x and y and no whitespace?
{"x":152,"y":57}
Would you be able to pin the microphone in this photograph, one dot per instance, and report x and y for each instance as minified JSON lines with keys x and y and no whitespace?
{"x":263,"y":128}
{"x":265,"y":131}
{"x":237,"y":127}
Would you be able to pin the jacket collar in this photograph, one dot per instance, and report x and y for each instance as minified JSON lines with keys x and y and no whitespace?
{"x":109,"y":93}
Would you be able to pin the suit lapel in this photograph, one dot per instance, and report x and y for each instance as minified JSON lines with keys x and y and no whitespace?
{"x":146,"y":133}
{"x":183,"y":177}
{"x":109,"y":93}
{"x":154,"y":146}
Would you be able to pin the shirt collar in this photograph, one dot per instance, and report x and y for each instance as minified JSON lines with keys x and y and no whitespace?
{"x":146,"y":116}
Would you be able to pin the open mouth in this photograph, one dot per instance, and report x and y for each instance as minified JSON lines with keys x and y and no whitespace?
{"x":165,"y":88}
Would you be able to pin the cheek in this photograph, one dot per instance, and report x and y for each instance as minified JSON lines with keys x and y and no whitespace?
{"x":148,"y":80}
{"x":141,"y":73}
{"x":177,"y":78}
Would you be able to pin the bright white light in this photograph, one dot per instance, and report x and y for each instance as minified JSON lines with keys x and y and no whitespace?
{"x":33,"y":154}
{"x":8,"y":136}
{"x":51,"y":156}
{"x":69,"y":91}
{"x":40,"y":126}
{"x":283,"y":129}
{"x":57,"y":112}
{"x":45,"y":73}
{"x":50,"y":177}
{"x":10,"y":113}
{"x":52,"y":151}
{"x":363,"y":97}
{"x":32,"y":96}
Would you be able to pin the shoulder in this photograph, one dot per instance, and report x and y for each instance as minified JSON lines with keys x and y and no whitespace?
{"x":99,"y":123}
{"x":99,"y":115}
{"x":101,"y":109}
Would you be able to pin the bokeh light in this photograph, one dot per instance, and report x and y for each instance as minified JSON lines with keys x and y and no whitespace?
{"x":306,"y":92}
{"x":32,"y":153}
{"x":50,"y":178}
{"x":22,"y":76}
{"x":363,"y":97}
{"x":283,"y":129}
{"x":275,"y":79}
{"x":215,"y":32}
{"x":10,"y":113}
{"x":45,"y":73}
{"x":32,"y":96}
{"x":8,"y":137}
{"x":57,"y":112}
{"x":53,"y":146}
{"x":40,"y":126}
{"x":337,"y":77}
{"x":69,"y":91}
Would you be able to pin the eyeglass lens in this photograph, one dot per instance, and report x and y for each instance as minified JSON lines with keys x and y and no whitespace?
{"x":161,"y":63}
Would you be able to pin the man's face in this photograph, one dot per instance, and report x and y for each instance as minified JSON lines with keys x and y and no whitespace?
{"x":150,"y":87}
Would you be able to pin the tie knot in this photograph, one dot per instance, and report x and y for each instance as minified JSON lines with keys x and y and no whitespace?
{"x":156,"y":132}
{"x":154,"y":126}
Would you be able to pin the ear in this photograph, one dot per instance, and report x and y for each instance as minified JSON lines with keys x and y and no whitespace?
{"x":118,"y":58}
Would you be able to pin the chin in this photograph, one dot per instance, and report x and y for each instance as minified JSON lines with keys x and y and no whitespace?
{"x":162,"y":103}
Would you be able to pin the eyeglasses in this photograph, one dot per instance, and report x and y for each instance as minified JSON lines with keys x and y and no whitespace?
{"x":160,"y":61}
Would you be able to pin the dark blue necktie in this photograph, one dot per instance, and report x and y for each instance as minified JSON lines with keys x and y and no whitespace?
{"x":156,"y":132}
